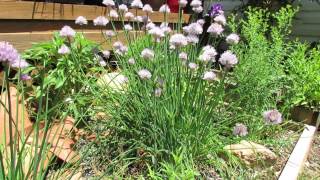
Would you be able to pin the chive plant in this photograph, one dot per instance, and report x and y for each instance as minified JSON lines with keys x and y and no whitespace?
{"x":172,"y":98}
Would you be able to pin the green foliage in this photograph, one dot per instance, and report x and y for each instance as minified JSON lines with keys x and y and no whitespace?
{"x":302,"y":67}
{"x":56,"y":78}
{"x":259,"y":76}
{"x":179,"y":169}
{"x":184,"y":114}
{"x":64,"y":76}
{"x":191,"y":113}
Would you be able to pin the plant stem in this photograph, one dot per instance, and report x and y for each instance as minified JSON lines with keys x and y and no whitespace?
{"x":11,"y":143}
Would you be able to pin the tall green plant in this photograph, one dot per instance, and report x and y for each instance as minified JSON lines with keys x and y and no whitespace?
{"x":167,"y":103}
{"x":303,"y":76}
{"x":260,"y":77}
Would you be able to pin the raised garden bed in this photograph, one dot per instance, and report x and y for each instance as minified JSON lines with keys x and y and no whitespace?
{"x":172,"y":107}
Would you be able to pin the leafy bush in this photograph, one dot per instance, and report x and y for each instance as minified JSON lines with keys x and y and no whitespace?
{"x":260,"y":76}
{"x":64,"y":76}
{"x":303,"y":74}
{"x":54,"y":89}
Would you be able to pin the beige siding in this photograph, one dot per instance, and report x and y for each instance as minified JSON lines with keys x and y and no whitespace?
{"x":306,"y":25}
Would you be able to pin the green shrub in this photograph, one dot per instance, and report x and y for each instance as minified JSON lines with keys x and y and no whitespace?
{"x":259,"y":78}
{"x":302,"y":68}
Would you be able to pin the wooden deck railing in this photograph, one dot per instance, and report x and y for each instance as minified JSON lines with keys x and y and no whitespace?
{"x":25,"y":22}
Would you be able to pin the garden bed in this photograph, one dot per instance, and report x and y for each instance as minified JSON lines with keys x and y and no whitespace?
{"x":206,"y":100}
{"x":287,"y":141}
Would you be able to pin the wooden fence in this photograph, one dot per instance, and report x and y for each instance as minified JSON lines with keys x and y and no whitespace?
{"x":24,"y":22}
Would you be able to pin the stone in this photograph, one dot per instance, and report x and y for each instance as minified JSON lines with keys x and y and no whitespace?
{"x":252,"y":153}
{"x":115,"y":81}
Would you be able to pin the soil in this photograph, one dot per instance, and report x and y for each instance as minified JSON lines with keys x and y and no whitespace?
{"x":288,"y":140}
{"x":283,"y":148}
{"x":312,"y":165}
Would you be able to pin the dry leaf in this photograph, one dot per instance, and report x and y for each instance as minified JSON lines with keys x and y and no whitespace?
{"x":58,"y":139}
{"x":66,"y":174}
{"x":19,"y":114}
{"x":57,"y":136}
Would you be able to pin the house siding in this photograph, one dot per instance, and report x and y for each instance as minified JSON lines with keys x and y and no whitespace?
{"x":306,"y":24}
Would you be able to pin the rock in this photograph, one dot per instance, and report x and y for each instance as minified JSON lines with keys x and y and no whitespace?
{"x":251,"y":153}
{"x":101,"y":116}
{"x":114,"y":80}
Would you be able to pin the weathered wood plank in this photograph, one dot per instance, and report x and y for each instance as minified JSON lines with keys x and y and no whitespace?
{"x":9,"y":26}
{"x":299,"y":154}
{"x":56,"y":11}
{"x":24,"y":40}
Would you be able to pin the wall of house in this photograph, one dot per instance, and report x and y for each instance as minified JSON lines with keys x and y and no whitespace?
{"x":306,"y":25}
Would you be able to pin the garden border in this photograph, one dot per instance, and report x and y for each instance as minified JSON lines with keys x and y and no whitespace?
{"x":299,"y":154}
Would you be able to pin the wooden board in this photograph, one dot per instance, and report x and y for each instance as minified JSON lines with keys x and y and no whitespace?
{"x":24,"y":40}
{"x":56,"y":11}
{"x":299,"y":154}
{"x":10,"y":26}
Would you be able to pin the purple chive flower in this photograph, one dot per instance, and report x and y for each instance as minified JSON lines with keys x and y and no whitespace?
{"x":228,"y":59}
{"x":233,"y":39}
{"x":136,"y":4}
{"x":216,"y":9}
{"x":157,"y":92}
{"x":215,"y":29}
{"x":144,"y":74}
{"x":123,"y":8}
{"x":178,"y":40}
{"x":108,"y":3}
{"x":183,"y":56}
{"x":106,"y":54}
{"x":240,"y":130}
{"x":8,"y":53}
{"x":193,"y":66}
{"x":272,"y":116}
{"x":64,"y":50}
{"x":102,"y":63}
{"x":209,"y":76}
{"x":192,"y":39}
{"x":164,"y":9}
{"x":147,"y":54}
{"x":25,"y":77}
{"x":100,"y":21}
{"x":67,"y":31}
{"x":109,"y":33}
{"x":20,"y":63}
{"x":183,"y":3}
{"x":131,"y":61}
{"x":81,"y":21}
